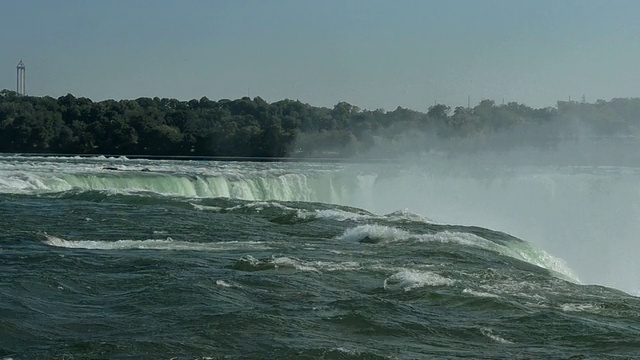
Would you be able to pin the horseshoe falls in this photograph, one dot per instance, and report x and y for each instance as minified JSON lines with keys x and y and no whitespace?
{"x":105,"y":258}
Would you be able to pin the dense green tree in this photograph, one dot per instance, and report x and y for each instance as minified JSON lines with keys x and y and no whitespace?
{"x":253,"y":127}
{"x":438,"y":112}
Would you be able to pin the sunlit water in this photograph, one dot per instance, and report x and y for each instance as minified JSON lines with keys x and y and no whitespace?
{"x":118,"y":258}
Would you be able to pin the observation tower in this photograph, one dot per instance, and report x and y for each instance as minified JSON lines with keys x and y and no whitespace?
{"x":21,"y":78}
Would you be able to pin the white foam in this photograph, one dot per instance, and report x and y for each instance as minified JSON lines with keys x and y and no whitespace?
{"x":294,"y":263}
{"x":338,"y":266}
{"x":456,"y":237}
{"x":518,"y":288}
{"x":260,"y":206}
{"x":374,"y":232}
{"x":489,"y":333}
{"x":387,"y":234}
{"x":315,"y":266}
{"x":345,"y":353}
{"x":342,"y":215}
{"x":153,"y":244}
{"x":570,"y":307}
{"x":206,"y":208}
{"x":336,"y":215}
{"x":408,"y":280}
{"x":405,"y":214}
{"x":479,"y":293}
{"x":223,"y":283}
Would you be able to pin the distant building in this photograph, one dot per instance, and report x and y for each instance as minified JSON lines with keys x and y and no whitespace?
{"x":21,"y":85}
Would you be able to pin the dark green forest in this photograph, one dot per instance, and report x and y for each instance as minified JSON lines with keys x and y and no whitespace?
{"x":255,"y":128}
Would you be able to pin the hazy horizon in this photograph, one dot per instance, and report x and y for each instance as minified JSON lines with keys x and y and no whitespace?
{"x":372,"y":54}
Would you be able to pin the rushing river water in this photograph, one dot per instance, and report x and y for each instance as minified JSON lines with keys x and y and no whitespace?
{"x":106,"y":258}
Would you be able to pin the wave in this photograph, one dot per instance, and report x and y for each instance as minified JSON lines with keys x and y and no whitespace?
{"x":299,"y":212}
{"x":153,"y":244}
{"x":410,"y":279}
{"x":356,"y":215}
{"x":250,"y":263}
{"x":511,"y":247}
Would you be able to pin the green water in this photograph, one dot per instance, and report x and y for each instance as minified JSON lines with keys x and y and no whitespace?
{"x":95,"y":265}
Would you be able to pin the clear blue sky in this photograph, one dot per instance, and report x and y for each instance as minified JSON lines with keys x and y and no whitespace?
{"x":374,"y":54}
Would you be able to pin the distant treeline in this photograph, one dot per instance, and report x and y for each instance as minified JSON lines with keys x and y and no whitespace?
{"x":255,"y":128}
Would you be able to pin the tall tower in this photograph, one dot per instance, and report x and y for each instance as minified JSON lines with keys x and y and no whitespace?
{"x":21,"y":78}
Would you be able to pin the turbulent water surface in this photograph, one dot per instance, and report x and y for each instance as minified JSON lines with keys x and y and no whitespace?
{"x":107,"y":258}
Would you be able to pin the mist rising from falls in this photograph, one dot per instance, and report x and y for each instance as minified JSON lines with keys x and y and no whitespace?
{"x":587,"y":215}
